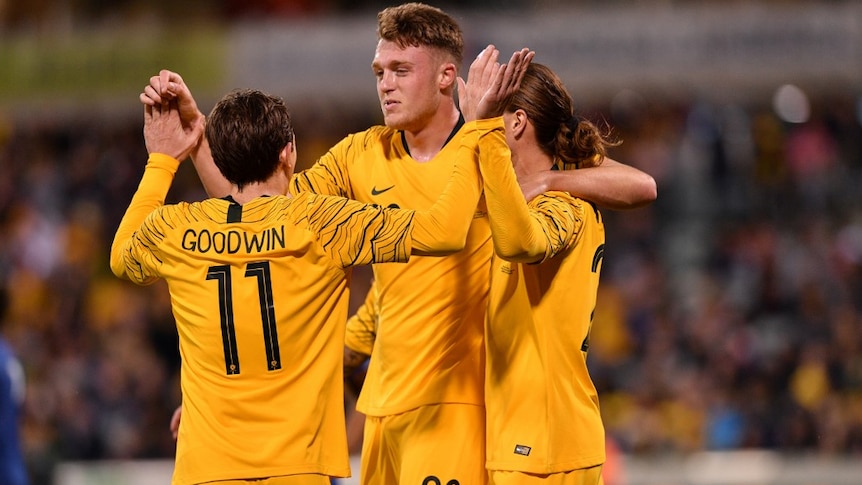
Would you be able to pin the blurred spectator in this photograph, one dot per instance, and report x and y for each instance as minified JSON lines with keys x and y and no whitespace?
{"x":13,"y":471}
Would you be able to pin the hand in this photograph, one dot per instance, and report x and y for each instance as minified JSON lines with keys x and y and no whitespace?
{"x":175,"y":421}
{"x":489,"y":85}
{"x":164,"y":132}
{"x":169,"y":86}
{"x":535,"y":183}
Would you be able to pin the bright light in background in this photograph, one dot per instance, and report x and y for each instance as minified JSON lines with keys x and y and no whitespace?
{"x":791,"y":104}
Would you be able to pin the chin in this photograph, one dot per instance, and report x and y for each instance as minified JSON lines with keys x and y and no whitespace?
{"x":394,"y":122}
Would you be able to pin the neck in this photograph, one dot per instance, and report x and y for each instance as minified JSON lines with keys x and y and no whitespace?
{"x":260,"y":189}
{"x":426,"y":142}
{"x":531,"y":159}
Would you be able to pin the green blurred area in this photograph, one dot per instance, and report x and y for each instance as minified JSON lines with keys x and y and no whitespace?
{"x":96,"y":65}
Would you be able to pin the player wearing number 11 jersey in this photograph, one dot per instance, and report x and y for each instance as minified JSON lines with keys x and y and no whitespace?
{"x":259,"y":289}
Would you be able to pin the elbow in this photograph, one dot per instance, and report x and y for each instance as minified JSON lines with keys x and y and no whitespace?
{"x":453,"y":244}
{"x":650,"y":189}
{"x":648,"y":192}
{"x":117,"y":266}
{"x":643,"y":193}
{"x":518,"y":255}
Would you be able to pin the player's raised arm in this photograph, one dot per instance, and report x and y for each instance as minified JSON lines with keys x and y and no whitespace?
{"x":489,"y":84}
{"x":169,"y":86}
{"x":444,"y":227}
{"x":168,"y":141}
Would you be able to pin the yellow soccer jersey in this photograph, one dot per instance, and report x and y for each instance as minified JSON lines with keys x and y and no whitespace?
{"x":542,"y":408}
{"x":362,"y":325}
{"x":260,"y":295}
{"x":429,"y":341}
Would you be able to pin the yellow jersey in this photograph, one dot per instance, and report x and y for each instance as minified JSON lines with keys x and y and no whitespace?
{"x":260,"y":295}
{"x":541,"y":405}
{"x":428,"y":347}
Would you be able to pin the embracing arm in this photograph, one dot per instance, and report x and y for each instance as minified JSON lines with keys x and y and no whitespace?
{"x":520,"y":234}
{"x":611,"y":185}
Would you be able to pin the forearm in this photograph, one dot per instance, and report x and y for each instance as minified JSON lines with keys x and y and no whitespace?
{"x":517,"y":236}
{"x":150,"y":195}
{"x":212,"y":179}
{"x":443,"y":229}
{"x":361,"y":331}
{"x":611,"y":185}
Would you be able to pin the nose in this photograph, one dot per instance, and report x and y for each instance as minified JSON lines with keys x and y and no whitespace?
{"x":386,"y":81}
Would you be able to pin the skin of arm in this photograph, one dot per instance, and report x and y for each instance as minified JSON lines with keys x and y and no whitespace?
{"x":612,"y":185}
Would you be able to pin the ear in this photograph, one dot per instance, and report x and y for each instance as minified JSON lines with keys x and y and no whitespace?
{"x":448,"y":75}
{"x":287,"y":157}
{"x":518,"y":124}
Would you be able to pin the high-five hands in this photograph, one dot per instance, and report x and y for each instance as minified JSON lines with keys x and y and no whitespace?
{"x":490,"y":84}
{"x":165,"y":133}
{"x":168,"y":87}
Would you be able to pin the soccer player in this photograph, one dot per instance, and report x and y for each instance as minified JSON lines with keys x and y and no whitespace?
{"x":424,"y":391}
{"x":543,"y":420}
{"x":258,"y":284}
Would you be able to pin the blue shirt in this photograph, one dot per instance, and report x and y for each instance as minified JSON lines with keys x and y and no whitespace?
{"x":12,"y":468}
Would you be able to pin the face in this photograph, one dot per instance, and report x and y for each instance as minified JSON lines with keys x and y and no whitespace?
{"x":408,"y":84}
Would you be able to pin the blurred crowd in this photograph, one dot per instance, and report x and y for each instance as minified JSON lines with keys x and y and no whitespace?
{"x":730,"y":312}
{"x":729,"y":316}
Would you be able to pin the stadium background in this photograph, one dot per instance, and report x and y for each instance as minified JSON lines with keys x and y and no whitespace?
{"x":727,"y":346}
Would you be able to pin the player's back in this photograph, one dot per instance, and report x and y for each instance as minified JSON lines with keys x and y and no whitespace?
{"x":259,"y":293}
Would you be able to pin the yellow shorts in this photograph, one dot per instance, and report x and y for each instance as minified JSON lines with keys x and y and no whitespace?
{"x":584,"y":476}
{"x":301,"y":479}
{"x":441,"y":444}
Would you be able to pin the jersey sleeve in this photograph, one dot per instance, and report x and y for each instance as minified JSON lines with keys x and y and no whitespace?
{"x":328,"y":175}
{"x":362,"y":325}
{"x":522,"y":233}
{"x":134,"y":248}
{"x":448,"y":220}
{"x":355,"y":233}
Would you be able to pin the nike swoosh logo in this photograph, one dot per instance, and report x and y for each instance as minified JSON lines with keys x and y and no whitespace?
{"x":374,"y":190}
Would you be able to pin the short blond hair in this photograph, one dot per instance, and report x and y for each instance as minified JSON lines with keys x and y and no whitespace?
{"x":419,"y":25}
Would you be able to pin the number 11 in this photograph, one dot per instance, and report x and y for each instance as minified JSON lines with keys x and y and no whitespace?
{"x":261,"y":271}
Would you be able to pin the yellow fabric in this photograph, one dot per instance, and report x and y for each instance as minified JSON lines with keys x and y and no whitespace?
{"x":429,"y":343}
{"x":542,"y":408}
{"x":362,"y":325}
{"x":423,"y":438}
{"x":262,"y":391}
{"x":304,"y":479}
{"x":584,"y":476}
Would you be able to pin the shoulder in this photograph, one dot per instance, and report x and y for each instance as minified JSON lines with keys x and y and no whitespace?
{"x":563,"y":204}
{"x":377,"y":134}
